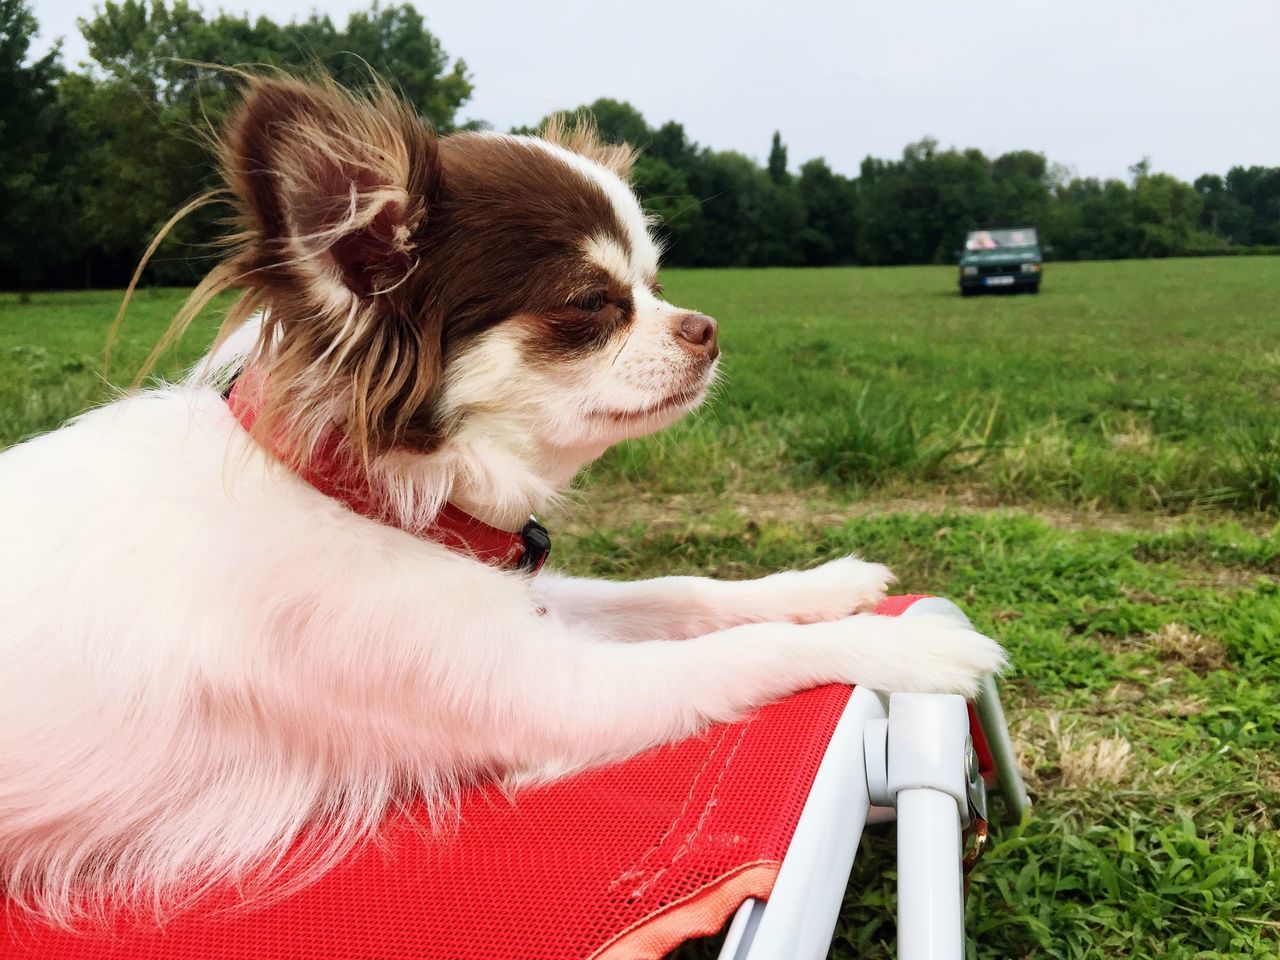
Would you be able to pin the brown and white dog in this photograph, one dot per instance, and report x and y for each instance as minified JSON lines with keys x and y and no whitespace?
{"x":212,"y":636}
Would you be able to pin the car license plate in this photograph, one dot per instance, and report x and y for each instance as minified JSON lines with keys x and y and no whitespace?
{"x":998,"y":281}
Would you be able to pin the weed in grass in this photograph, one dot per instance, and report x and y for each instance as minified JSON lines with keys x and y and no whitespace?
{"x":1257,"y":477}
{"x":870,"y":437}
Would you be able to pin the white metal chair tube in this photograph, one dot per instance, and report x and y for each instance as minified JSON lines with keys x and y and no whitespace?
{"x":930,"y":887}
{"x":797,"y":921}
{"x":928,"y":736}
{"x":991,"y":714}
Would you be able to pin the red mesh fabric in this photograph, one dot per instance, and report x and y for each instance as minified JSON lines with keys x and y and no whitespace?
{"x":559,"y":875}
{"x":897,"y":606}
{"x":626,"y":861}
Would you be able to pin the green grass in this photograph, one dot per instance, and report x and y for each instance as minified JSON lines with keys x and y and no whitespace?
{"x":1136,"y":385}
{"x":1093,"y":473}
{"x":52,"y":346}
{"x":1140,"y":385}
{"x":1143,"y":701}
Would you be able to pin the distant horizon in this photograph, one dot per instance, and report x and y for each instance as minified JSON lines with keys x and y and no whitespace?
{"x":1115,"y":87}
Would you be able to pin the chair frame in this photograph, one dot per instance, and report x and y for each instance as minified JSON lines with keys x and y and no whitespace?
{"x":906,"y":757}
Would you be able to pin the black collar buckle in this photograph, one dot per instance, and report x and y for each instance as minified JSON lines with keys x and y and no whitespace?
{"x":537,"y":546}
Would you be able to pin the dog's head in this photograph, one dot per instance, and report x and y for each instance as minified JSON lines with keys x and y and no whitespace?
{"x":422,"y":290}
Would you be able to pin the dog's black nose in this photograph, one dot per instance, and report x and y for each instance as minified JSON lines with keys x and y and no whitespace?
{"x":699,"y":330}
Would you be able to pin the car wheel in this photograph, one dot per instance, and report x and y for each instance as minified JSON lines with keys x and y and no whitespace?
{"x":1035,"y":288}
{"x":967,"y":291}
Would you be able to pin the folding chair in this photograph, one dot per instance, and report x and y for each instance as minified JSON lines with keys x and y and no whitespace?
{"x":757,"y":822}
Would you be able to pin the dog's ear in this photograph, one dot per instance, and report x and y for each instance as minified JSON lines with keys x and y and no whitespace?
{"x":334,"y":192}
{"x":333,"y":188}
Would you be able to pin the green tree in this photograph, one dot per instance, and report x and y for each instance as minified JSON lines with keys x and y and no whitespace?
{"x":667,"y":192}
{"x":671,"y":144}
{"x":144,"y":113}
{"x":831,"y":219}
{"x":37,"y":213}
{"x":746,"y":219}
{"x":1022,"y":186}
{"x":1156,"y":215}
{"x":1258,"y":190}
{"x":915,"y":210}
{"x":395,"y":43}
{"x":1167,"y":215}
{"x":619,"y":122}
{"x":140,"y":161}
{"x":158,"y":48}
{"x":93,"y":162}
{"x":778,"y":161}
{"x":1222,"y":214}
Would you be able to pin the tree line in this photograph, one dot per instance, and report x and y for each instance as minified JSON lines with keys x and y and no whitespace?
{"x":94,"y":159}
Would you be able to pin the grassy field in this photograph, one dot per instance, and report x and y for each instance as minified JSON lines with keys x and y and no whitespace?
{"x":1144,"y":386}
{"x":1094,"y":473}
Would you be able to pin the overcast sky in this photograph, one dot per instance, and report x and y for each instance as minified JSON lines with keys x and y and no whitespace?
{"x":1095,"y":84}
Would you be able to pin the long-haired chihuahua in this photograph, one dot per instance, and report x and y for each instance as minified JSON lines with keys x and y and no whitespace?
{"x":279,"y":598}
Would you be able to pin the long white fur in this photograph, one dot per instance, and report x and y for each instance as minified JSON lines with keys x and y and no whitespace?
{"x":201,"y":655}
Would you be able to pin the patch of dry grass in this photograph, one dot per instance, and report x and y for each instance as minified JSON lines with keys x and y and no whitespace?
{"x":1177,"y":643}
{"x":1072,"y":752}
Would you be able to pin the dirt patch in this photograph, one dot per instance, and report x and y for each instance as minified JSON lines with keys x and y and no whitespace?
{"x":1229,"y":579}
{"x":612,"y":506}
{"x":1136,"y":595}
{"x":1160,"y":698}
{"x":1125,"y":693}
{"x":1180,"y":708}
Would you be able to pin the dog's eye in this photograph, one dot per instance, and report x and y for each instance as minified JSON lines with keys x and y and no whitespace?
{"x":593,"y":302}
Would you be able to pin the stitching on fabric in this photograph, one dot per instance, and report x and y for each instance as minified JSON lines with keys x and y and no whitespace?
{"x":637,"y":868}
{"x":687,"y":844}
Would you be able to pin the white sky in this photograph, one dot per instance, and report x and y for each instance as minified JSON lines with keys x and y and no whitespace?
{"x":1095,"y":84}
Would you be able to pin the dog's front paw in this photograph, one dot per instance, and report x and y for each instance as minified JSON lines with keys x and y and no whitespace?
{"x":837,"y":589}
{"x":939,"y":654}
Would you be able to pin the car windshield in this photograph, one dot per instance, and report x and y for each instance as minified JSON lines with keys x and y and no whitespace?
{"x":997,"y":239}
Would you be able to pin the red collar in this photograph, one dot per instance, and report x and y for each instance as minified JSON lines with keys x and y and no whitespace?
{"x":334,"y":475}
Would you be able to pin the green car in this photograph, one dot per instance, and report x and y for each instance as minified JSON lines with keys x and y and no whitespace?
{"x":1001,"y":258}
